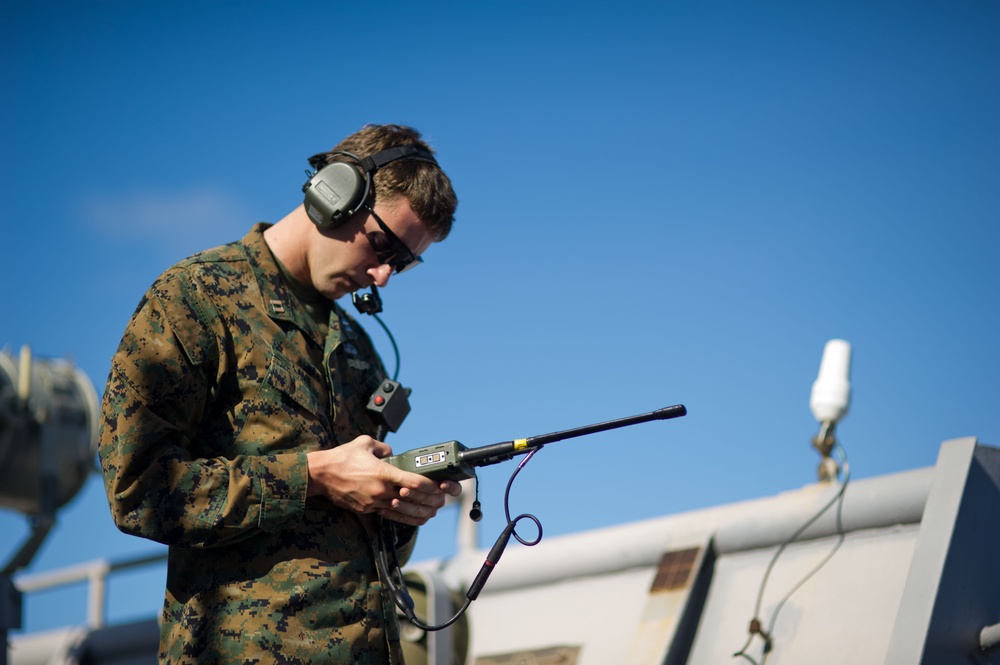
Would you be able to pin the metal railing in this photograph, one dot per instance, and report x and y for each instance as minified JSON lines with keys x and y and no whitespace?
{"x":94,"y":573}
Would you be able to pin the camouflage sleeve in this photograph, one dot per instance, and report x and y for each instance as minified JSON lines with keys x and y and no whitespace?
{"x":159,"y":386}
{"x":406,"y":541}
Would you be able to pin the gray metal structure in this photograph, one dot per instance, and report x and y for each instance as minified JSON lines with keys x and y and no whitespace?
{"x":48,"y":445}
{"x":903,"y":572}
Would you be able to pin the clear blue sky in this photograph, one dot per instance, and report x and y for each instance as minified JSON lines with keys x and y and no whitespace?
{"x":661,"y":202}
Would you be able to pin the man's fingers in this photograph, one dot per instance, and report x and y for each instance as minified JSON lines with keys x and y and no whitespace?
{"x":379,"y":449}
{"x":409,"y":513}
{"x":450,"y":487}
{"x":434,"y":501}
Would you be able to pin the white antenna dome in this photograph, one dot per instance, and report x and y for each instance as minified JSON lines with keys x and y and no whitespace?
{"x":831,"y":392}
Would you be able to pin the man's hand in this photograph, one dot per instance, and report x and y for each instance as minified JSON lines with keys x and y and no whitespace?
{"x":353,"y":476}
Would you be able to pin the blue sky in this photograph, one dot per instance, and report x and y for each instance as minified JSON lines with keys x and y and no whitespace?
{"x":661,"y":203}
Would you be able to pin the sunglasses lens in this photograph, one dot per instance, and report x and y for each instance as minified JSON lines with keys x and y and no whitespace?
{"x":400,"y":269}
{"x":389,"y":252}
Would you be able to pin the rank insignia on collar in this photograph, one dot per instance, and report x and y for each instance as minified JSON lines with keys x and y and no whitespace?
{"x":357,"y":364}
{"x":277,"y":307}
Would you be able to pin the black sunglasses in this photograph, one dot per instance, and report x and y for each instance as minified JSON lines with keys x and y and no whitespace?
{"x":389,"y":249}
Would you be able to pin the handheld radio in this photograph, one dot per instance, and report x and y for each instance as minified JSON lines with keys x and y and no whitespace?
{"x":453,"y":461}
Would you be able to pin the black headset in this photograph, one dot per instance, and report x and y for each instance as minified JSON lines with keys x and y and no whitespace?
{"x":336,"y":191}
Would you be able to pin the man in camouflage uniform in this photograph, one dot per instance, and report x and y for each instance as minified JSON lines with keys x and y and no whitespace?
{"x":234,"y":429}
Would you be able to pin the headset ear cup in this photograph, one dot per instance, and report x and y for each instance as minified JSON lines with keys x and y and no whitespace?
{"x":334,"y":194}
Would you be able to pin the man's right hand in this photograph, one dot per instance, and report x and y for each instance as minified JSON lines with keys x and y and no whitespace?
{"x":353,"y":476}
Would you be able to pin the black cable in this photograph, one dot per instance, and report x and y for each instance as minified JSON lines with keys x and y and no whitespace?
{"x":392,"y":340}
{"x":397,"y":587}
{"x":755,"y":623}
{"x":506,"y":505}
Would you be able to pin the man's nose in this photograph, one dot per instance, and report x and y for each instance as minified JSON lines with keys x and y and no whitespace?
{"x":381,"y":274}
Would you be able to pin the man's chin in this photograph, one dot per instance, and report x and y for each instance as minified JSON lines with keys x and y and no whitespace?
{"x":341,"y":289}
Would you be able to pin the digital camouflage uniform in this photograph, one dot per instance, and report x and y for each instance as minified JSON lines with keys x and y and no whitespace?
{"x":220,"y":386}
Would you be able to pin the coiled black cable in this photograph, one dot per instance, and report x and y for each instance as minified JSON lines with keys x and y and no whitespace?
{"x":394,"y":577}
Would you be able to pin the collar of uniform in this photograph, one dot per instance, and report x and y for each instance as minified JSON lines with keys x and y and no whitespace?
{"x":334,"y":334}
{"x":279,"y":301}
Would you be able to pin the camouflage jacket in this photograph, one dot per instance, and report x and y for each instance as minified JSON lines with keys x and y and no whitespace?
{"x":220,"y":386}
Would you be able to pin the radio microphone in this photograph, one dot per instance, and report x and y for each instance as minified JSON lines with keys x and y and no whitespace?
{"x":368,"y":303}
